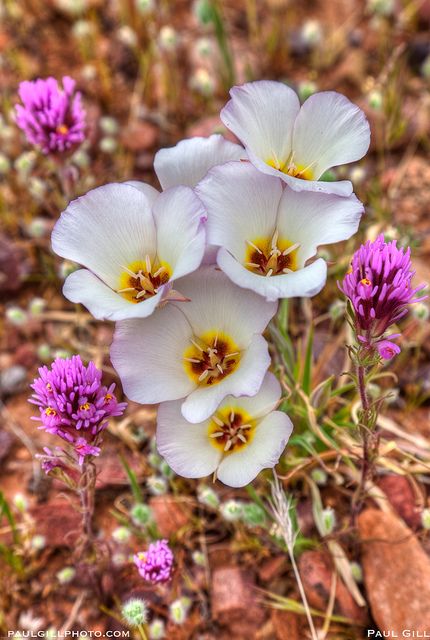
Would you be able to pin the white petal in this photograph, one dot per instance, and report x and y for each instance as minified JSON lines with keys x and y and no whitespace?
{"x":242,"y":205}
{"x":189,"y":161}
{"x":305,"y":282}
{"x":186,"y":447}
{"x":103,"y":303}
{"x":107,"y":228}
{"x":315,"y":219}
{"x":217,"y":304}
{"x":148,"y":356}
{"x":262,"y":114}
{"x":263,"y":452}
{"x":339,"y":187}
{"x":329,"y":131}
{"x":149,"y":191}
{"x":265,"y":401}
{"x":246,"y":380}
{"x":180,"y":220}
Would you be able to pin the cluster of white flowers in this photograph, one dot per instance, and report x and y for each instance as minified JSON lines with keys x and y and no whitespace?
{"x":192,"y":275}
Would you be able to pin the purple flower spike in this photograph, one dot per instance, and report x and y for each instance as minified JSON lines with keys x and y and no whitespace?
{"x":156,"y":564}
{"x":74,"y":404}
{"x":51,"y":118}
{"x":378,"y":285}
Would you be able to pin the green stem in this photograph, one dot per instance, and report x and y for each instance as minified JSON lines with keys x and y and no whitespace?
{"x":142,"y":632}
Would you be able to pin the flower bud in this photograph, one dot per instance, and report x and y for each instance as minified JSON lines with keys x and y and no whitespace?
{"x":20,"y":502}
{"x":167,"y":38}
{"x":231,"y":510}
{"x":357,"y":571}
{"x":44,"y":352}
{"x":204,"y":47}
{"x":36,"y":188}
{"x":420,"y":311}
{"x":179,"y":610}
{"x":207,"y":496}
{"x":141,"y":514}
{"x":66,"y":268}
{"x":108,"y":144}
{"x":127,"y":36}
{"x":337,"y":310}
{"x":319,"y":476}
{"x":109,"y":125}
{"x":157,"y":629}
{"x":16,"y":316}
{"x":425,"y":518}
{"x":121,"y":535}
{"x":375,"y":99}
{"x":66,"y":575}
{"x":38,"y":228}
{"x":135,"y":612}
{"x":311,"y":33}
{"x":25,"y":163}
{"x":157,"y":485}
{"x":202,"y":82}
{"x":306,"y":89}
{"x":36,"y":306}
{"x":144,"y":7}
{"x":328,"y":520}
{"x":199,"y":558}
{"x":4,"y":164}
{"x":38,"y":542}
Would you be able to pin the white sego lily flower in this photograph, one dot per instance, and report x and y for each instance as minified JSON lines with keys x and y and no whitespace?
{"x":267,"y":232}
{"x":201,"y":350}
{"x":297,"y":144}
{"x":190,"y":160}
{"x":133,"y":243}
{"x":242,"y":437}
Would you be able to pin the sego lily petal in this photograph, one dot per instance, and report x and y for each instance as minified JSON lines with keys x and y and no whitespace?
{"x":297,"y":144}
{"x":267,"y":232}
{"x":133,"y":242}
{"x":241,"y":437}
{"x":200,"y":350}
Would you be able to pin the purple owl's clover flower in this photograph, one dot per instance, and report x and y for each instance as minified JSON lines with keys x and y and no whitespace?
{"x":378,"y":284}
{"x":156,"y":564}
{"x":74,"y":404}
{"x":51,"y":118}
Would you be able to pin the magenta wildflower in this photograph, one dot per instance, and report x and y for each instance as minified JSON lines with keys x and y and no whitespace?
{"x":74,"y":404}
{"x":51,"y":118}
{"x":379,"y":287}
{"x":156,"y":564}
{"x":387,"y":349}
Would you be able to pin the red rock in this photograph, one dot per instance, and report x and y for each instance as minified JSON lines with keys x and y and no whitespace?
{"x":285,"y":625}
{"x":316,"y":570}
{"x":234,"y":598}
{"x":6,"y":442}
{"x":208,"y":126}
{"x":271,"y":568}
{"x":400,"y":494}
{"x":25,"y":355}
{"x":58,"y":522}
{"x":396,"y":573}
{"x":110,"y":471}
{"x":140,"y":136}
{"x":170,"y":514}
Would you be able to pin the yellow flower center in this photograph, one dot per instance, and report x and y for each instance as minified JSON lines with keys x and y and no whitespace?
{"x":271,"y":256}
{"x":49,"y":411}
{"x":366,"y":282}
{"x":231,"y":429}
{"x":210,"y":358}
{"x":291,"y":168}
{"x":62,"y":129}
{"x":85,"y":407}
{"x":141,"y":279}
